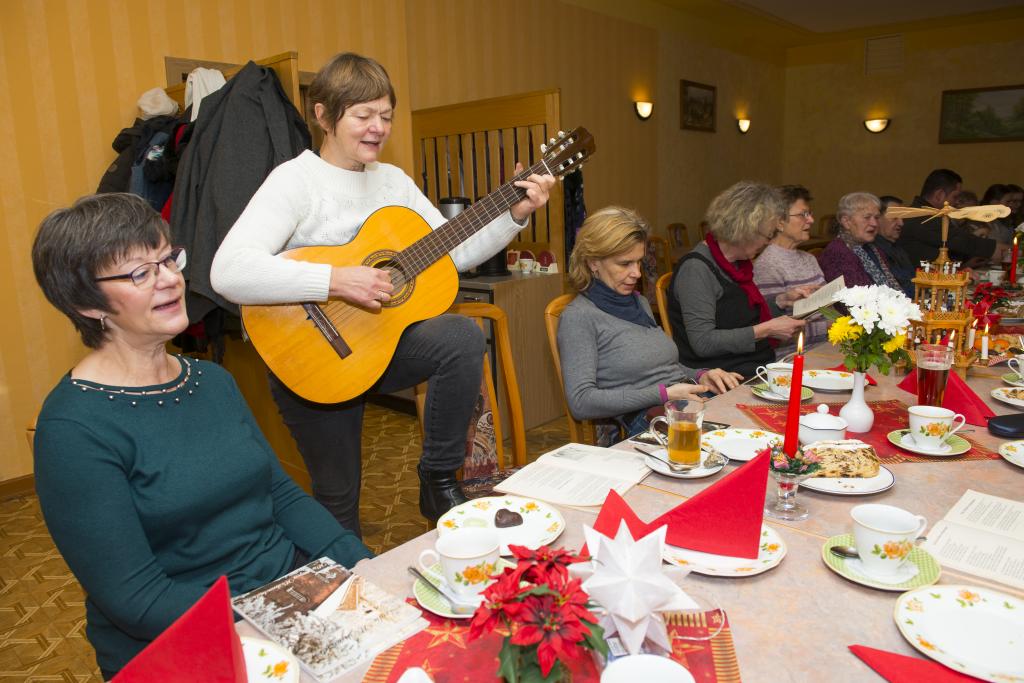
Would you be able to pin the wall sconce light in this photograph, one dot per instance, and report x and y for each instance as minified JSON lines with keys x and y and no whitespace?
{"x":876,"y":125}
{"x":643,"y":110}
{"x":743,"y":125}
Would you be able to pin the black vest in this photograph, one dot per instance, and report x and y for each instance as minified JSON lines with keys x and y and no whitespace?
{"x":732,"y":311}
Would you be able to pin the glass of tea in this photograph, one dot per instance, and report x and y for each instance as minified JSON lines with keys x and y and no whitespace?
{"x":933,"y":363}
{"x":683,"y":419}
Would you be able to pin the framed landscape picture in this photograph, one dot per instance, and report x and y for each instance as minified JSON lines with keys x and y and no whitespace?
{"x":697,"y":106}
{"x":982,"y":115}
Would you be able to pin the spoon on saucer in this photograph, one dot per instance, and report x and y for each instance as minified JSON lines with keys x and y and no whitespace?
{"x":458,"y":606}
{"x":850,"y":552}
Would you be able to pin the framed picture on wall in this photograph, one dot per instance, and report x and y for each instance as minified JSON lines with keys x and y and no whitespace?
{"x":982,"y":115}
{"x":697,"y":106}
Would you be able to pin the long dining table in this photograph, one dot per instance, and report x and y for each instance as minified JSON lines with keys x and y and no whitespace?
{"x":795,"y":621}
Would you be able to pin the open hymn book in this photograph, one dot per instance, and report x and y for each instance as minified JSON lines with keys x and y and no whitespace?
{"x":331,"y":619}
{"x":577,"y":475}
{"x":982,"y":535}
{"x":821,"y":298}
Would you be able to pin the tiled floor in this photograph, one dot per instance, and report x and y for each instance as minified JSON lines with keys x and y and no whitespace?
{"x":42,"y":609}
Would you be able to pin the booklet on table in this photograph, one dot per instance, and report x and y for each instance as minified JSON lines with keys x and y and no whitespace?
{"x":331,"y":619}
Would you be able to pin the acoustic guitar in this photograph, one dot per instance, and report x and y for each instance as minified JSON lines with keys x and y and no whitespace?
{"x":334,"y":351}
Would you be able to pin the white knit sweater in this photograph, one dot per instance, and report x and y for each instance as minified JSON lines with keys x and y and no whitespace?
{"x":310,"y":202}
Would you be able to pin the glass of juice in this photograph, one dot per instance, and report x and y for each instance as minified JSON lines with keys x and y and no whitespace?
{"x":683,"y":420}
{"x":933,"y":363}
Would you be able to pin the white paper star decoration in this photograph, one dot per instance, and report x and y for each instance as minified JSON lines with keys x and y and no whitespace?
{"x":626,"y":578}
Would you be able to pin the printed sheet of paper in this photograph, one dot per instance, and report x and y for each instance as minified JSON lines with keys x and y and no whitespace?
{"x":577,"y":475}
{"x":982,"y":535}
{"x":821,"y":298}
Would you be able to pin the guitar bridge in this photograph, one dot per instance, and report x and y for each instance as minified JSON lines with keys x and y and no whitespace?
{"x":327,"y":328}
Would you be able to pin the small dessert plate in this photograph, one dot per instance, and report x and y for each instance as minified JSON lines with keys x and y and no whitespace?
{"x":739,"y":445}
{"x":955,"y":445}
{"x":1015,"y":397}
{"x":921,"y":570}
{"x":1013,"y":379}
{"x":541,"y":522}
{"x":268,"y":661}
{"x":1013,"y":452}
{"x":762,"y":391}
{"x":829,"y":381}
{"x":770,"y":553}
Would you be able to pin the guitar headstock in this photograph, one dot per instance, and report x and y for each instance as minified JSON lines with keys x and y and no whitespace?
{"x":567,"y":152}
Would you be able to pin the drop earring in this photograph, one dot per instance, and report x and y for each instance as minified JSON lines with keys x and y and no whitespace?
{"x":103,"y":323}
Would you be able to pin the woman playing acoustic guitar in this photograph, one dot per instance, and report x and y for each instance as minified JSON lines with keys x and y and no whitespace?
{"x":324,"y":200}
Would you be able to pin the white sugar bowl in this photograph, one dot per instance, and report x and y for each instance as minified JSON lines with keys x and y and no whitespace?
{"x":821,"y":426}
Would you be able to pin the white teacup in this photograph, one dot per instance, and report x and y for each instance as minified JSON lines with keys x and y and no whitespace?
{"x":527,"y":265}
{"x":931,"y":427}
{"x":778,"y":376}
{"x":1016,"y":365}
{"x":468,"y":558}
{"x":995,"y":276}
{"x":885,"y":535}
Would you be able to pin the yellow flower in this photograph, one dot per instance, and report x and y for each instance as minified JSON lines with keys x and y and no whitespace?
{"x":844,"y":330}
{"x":896,"y":342}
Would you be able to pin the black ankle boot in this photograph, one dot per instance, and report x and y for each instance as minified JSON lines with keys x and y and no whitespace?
{"x":439,"y":492}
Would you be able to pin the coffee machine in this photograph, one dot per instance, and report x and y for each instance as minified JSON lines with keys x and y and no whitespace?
{"x":450,"y":207}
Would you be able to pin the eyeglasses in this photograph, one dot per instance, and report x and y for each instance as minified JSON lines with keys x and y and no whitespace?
{"x":146,"y":274}
{"x":803,"y":214}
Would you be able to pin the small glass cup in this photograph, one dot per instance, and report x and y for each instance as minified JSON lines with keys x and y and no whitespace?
{"x":683,"y":420}
{"x":933,"y":364}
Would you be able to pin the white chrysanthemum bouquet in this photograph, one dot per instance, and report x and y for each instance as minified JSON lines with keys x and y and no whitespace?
{"x":875,"y":330}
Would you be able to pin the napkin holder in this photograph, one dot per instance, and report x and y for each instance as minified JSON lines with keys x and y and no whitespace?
{"x":1007,"y":426}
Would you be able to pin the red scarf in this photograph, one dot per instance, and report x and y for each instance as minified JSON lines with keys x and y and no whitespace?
{"x":742,"y":273}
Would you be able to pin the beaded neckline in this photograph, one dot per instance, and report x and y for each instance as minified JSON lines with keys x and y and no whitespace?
{"x":183,"y":383}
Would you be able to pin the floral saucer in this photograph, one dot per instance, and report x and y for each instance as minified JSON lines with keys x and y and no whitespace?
{"x":542,"y":523}
{"x":1013,"y":379}
{"x":922,"y":569}
{"x":1013,"y":452}
{"x":762,"y":391}
{"x":955,"y":445}
{"x":267,"y":661}
{"x":432,"y":601}
{"x":658,"y":464}
{"x":739,"y":445}
{"x":769,"y":555}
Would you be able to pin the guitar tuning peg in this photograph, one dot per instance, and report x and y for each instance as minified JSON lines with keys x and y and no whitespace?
{"x":561,"y":133}
{"x":543,"y":148}
{"x":551,"y":141}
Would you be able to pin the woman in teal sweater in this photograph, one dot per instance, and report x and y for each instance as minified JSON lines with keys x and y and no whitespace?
{"x":153,"y":476}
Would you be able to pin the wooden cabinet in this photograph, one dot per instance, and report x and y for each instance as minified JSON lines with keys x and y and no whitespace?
{"x":523,"y":298}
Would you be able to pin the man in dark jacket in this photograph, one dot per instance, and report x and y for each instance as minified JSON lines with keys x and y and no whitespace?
{"x":921,"y":240}
{"x":889,"y":230}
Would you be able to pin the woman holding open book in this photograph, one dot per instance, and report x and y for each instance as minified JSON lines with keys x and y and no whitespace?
{"x":152,"y":474}
{"x":616,"y":361}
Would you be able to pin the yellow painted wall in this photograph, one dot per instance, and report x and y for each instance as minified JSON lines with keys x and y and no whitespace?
{"x":70,"y":74}
{"x":828,"y":96}
{"x":461,"y":50}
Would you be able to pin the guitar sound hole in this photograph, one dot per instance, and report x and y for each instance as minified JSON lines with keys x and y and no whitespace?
{"x":403,"y":286}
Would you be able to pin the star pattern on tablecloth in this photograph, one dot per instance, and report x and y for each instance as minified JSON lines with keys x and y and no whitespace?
{"x":447,"y":632}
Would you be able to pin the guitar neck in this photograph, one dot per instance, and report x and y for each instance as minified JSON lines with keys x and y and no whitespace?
{"x":419,"y":255}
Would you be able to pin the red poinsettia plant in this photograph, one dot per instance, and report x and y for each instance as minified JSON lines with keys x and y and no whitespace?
{"x":544,"y":613}
{"x":990,"y":294}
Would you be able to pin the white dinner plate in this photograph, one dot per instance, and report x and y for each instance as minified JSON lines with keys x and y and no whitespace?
{"x":645,"y":667}
{"x":661,"y":467}
{"x":852,"y":486}
{"x":762,"y":391}
{"x":266,"y":661}
{"x":738,"y":444}
{"x":542,"y":523}
{"x":834,"y":381}
{"x":769,"y":555}
{"x":1013,"y":379}
{"x":1013,"y":452}
{"x":955,"y":445}
{"x":973,"y":630}
{"x":1014,"y":396}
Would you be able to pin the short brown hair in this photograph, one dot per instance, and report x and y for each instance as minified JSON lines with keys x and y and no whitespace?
{"x":349,"y":79}
{"x":736,"y":215}
{"x":75,"y":243}
{"x":607,"y":232}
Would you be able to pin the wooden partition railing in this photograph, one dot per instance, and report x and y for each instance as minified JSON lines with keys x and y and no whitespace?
{"x":470,"y":149}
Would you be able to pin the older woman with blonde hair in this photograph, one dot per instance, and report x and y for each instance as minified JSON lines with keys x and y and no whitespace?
{"x":718,"y":315}
{"x":853,"y":253}
{"x":616,"y":360}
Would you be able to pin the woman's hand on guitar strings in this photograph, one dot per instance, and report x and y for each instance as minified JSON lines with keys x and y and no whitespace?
{"x":537,"y":188}
{"x":362,"y":286}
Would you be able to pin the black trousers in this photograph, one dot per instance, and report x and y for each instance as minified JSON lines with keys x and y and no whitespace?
{"x":447,"y":352}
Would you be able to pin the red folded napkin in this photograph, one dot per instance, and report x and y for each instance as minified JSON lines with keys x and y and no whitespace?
{"x":959,"y":398}
{"x":843,"y":368}
{"x":897,"y":668}
{"x":201,"y":645}
{"x":723,"y":519}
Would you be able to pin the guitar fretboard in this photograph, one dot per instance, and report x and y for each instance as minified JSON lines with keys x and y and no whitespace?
{"x":419,"y":255}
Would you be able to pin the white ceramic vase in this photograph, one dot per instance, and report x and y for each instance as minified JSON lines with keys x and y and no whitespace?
{"x":857,"y":413}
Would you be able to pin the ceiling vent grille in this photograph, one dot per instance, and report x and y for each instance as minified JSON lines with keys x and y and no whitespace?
{"x":883,"y":53}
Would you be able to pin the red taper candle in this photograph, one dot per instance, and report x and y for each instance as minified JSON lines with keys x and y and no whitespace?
{"x":1013,"y":262}
{"x":792,"y":441}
